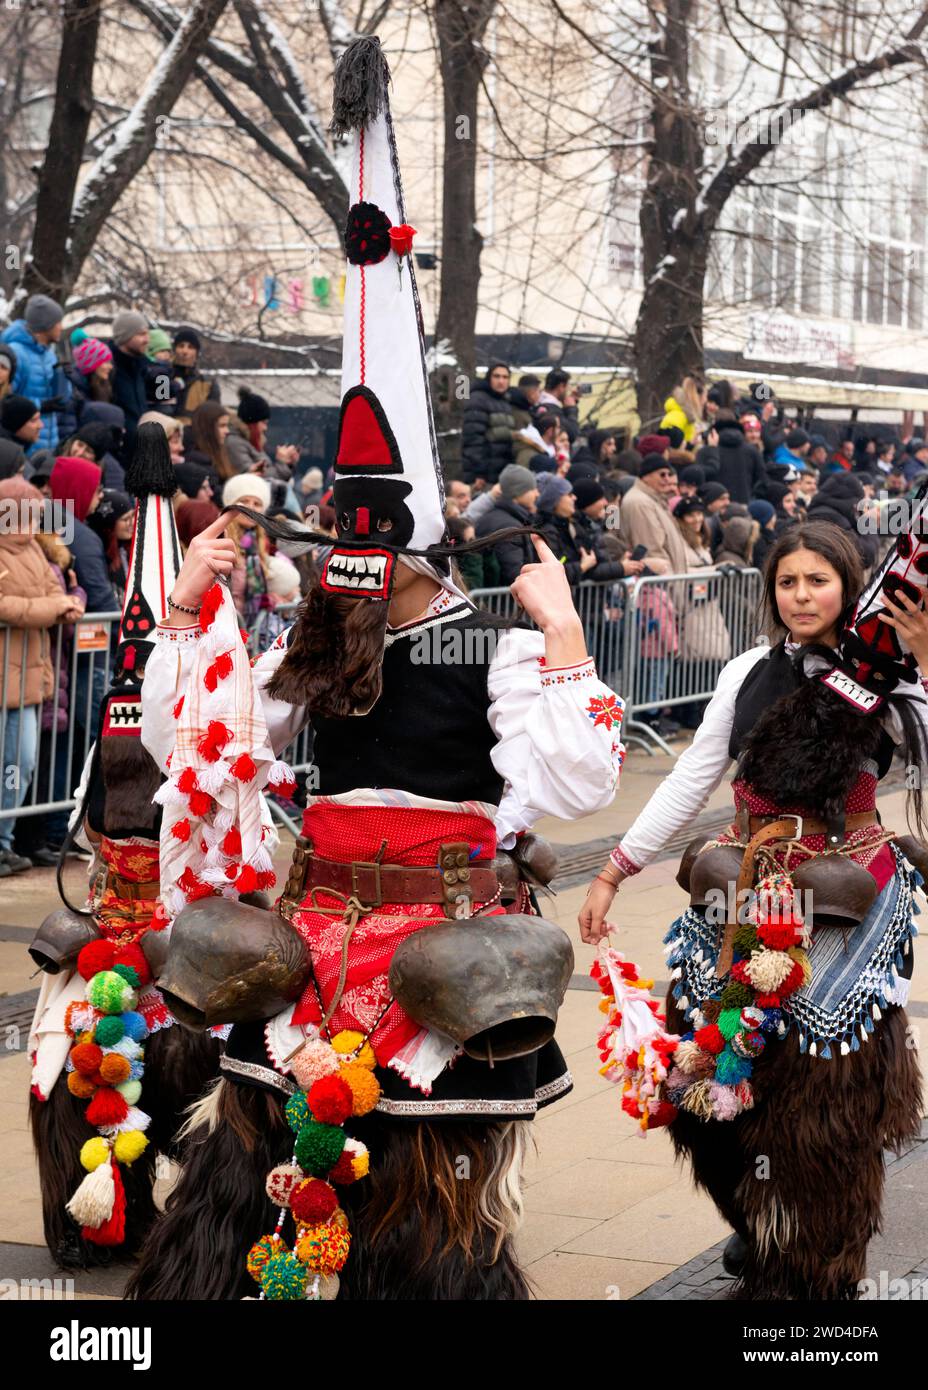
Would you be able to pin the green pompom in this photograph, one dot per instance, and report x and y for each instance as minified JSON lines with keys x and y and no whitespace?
{"x":110,"y":993}
{"x":284,"y":1277}
{"x":736,"y":996}
{"x":745,"y":939}
{"x":298,"y":1112}
{"x":318,"y":1148}
{"x":729,"y":1022}
{"x":129,"y":974}
{"x":109,"y":1031}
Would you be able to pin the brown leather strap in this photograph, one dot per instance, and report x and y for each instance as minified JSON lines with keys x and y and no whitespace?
{"x":784,"y":828}
{"x":750,"y":825}
{"x":374,"y":884}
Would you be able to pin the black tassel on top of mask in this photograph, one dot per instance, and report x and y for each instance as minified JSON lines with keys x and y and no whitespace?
{"x":806,"y":750}
{"x":150,"y":473}
{"x":361,"y":78}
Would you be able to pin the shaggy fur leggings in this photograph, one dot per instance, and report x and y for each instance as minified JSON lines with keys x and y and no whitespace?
{"x":432,"y":1220}
{"x":800,"y":1176}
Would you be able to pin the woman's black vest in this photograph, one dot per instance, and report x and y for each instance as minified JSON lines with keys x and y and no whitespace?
{"x":428,"y":733}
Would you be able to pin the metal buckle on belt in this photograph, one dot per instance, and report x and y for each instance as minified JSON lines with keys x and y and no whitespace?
{"x":798,"y":819}
{"x":357,"y":864}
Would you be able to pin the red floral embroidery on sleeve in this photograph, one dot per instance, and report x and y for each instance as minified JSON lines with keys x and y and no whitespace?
{"x":605,"y":710}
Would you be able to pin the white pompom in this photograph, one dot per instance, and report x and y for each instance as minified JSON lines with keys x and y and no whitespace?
{"x":93,"y":1202}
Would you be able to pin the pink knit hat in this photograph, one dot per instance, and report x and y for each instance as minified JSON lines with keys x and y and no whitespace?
{"x":91,"y":354}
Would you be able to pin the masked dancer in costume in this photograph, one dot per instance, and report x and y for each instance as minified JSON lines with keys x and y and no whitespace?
{"x":791,"y":966}
{"x":111,"y":1077}
{"x":419,"y":1043}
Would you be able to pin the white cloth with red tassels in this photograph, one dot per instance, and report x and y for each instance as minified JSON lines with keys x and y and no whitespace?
{"x":215,"y":830}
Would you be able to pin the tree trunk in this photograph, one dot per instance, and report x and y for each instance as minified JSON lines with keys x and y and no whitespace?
{"x":462,"y":59}
{"x":460,"y":30}
{"x":668,"y":342}
{"x":43,"y":272}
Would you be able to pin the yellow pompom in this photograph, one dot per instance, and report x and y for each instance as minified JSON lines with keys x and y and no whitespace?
{"x":94,"y":1152}
{"x":348,"y":1041}
{"x":360,"y":1158}
{"x":364,"y":1086}
{"x":129,"y":1146}
{"x":802,"y":958}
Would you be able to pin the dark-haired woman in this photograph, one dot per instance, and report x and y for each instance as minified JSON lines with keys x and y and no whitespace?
{"x":205,"y":441}
{"x":794,"y":1072}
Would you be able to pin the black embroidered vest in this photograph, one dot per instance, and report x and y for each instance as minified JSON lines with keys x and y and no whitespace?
{"x":428,"y":732}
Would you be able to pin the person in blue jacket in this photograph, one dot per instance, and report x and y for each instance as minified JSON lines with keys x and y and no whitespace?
{"x":39,"y":375}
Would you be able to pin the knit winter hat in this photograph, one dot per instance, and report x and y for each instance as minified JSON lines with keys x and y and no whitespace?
{"x":587,"y":491}
{"x":188,"y":335}
{"x":97,"y":436}
{"x":652,"y":462}
{"x":685,"y":505}
{"x":75,"y":480}
{"x":126,"y":324}
{"x":693,"y":474}
{"x":190,"y":477}
{"x":247,"y":485}
{"x":252,"y":408}
{"x":16,"y":411}
{"x":712,"y":492}
{"x":551,"y":488}
{"x":91,"y":354}
{"x":158,"y":341}
{"x":42,"y":313}
{"x":283,"y":577}
{"x":8,"y":356}
{"x":653,"y":444}
{"x":796,"y":438}
{"x":514,"y":480}
{"x":761,"y":511}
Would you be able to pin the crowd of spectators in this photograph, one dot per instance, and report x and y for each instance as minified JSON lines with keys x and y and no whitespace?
{"x":708,"y":488}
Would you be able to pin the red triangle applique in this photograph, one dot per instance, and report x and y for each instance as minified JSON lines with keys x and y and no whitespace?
{"x":366,"y":443}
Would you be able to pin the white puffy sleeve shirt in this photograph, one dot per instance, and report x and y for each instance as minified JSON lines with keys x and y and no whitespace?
{"x":557,"y":730}
{"x":695,"y":775}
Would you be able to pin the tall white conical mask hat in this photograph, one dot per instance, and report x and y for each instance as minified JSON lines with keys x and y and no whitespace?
{"x":388,"y":493}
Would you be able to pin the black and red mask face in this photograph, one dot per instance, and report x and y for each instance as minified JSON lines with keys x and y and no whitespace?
{"x":371,"y":514}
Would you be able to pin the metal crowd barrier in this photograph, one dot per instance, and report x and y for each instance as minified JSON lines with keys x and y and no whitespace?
{"x":659,"y":641}
{"x":42,"y":782}
{"x":662,"y":640}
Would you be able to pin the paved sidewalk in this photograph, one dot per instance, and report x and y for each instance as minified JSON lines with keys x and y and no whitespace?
{"x":609,"y":1215}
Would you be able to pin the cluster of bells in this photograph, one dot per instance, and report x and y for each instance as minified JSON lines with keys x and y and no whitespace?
{"x":337,"y":1083}
{"x":713,"y":1063}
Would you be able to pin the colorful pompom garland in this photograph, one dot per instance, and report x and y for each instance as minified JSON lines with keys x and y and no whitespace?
{"x":713,"y":1063}
{"x":634,"y":1046}
{"x":338,"y":1082}
{"x":106,"y":1068}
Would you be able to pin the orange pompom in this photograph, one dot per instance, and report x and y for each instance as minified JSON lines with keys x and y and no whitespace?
{"x":86,"y":1058}
{"x":80,"y":1086}
{"x":115,"y":1068}
{"x":364,"y":1086}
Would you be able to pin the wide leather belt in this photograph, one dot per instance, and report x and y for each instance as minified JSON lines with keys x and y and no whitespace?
{"x":374,"y":884}
{"x":803,"y":825}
